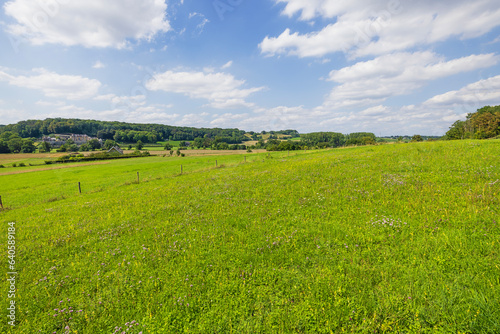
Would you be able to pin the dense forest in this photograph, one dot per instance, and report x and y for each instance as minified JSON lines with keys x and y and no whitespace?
{"x":483,"y":124}
{"x":333,"y":139}
{"x":130,"y":132}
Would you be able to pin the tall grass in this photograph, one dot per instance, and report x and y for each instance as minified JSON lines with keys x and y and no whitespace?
{"x":394,"y":238}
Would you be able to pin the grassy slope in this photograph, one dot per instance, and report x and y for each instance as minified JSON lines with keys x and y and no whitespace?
{"x":396,"y":237}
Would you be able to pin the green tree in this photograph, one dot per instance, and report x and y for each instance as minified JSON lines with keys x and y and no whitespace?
{"x":139,"y":145}
{"x":44,"y":147}
{"x":15,"y":144}
{"x":84,"y":147}
{"x":416,"y":138}
{"x":108,"y":144}
{"x":4,"y":148}
{"x":94,"y":144}
{"x":28,"y":146}
{"x":168,"y":146}
{"x":7,"y":135}
{"x":457,"y":131}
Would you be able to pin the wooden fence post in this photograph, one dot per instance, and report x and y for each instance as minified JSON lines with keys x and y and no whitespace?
{"x":1,"y":204}
{"x":138,"y":180}
{"x":79,"y":188}
{"x":181,"y":169}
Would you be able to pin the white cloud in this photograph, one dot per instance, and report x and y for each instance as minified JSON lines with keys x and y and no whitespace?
{"x":374,"y":27}
{"x":91,"y":23}
{"x":51,"y":84}
{"x":202,"y":22}
{"x":13,"y":115}
{"x":373,"y":81}
{"x":222,"y":90}
{"x":98,"y":65}
{"x":475,"y":95}
{"x":227,"y":65}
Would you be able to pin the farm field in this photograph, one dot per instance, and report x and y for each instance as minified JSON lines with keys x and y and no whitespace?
{"x":381,"y":239}
{"x":36,"y":161}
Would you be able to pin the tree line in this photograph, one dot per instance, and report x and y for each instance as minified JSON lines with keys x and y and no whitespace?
{"x":319,"y":140}
{"x":117,"y":131}
{"x":12,"y":143}
{"x":483,"y":124}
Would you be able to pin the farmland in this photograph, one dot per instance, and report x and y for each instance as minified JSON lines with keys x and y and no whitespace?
{"x":388,"y":238}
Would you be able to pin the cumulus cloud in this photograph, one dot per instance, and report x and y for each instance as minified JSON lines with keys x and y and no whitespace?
{"x":222,"y":90}
{"x":375,"y":80}
{"x":375,"y":27}
{"x":479,"y":93}
{"x":71,"y":87}
{"x":98,"y":65}
{"x":91,"y":23}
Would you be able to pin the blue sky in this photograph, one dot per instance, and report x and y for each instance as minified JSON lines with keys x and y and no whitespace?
{"x":385,"y":66}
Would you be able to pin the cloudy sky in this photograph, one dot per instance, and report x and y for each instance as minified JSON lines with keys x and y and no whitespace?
{"x":385,"y":66}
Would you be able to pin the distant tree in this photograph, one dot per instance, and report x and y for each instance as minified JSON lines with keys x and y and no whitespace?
{"x":4,"y":148}
{"x":108,"y":144}
{"x":417,"y":138}
{"x":28,"y":146}
{"x":44,"y":147}
{"x":168,"y":146}
{"x":15,"y":144}
{"x":457,"y":131}
{"x":139,"y":145}
{"x":260,"y":144}
{"x":72,"y":148}
{"x":94,"y":144}
{"x":178,"y":152}
{"x":84,"y":147}
{"x":198,"y":142}
{"x":7,"y":135}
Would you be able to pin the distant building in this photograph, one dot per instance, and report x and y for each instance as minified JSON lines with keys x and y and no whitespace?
{"x":60,"y":139}
{"x":115,"y":149}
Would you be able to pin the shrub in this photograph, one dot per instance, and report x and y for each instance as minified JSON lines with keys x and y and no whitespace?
{"x":22,"y":164}
{"x":14,"y":165}
{"x":2,"y":166}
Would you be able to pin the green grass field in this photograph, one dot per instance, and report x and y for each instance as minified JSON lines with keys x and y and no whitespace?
{"x":392,"y":238}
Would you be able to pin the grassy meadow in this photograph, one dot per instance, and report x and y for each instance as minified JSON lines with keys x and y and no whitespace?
{"x":382,"y":239}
